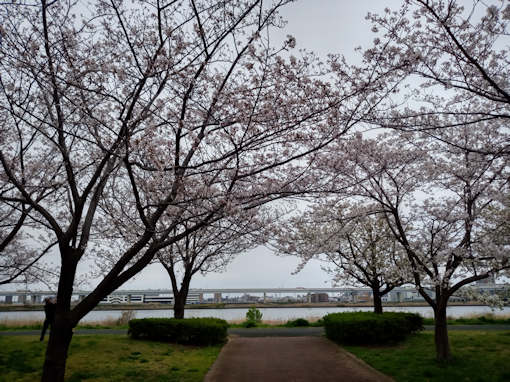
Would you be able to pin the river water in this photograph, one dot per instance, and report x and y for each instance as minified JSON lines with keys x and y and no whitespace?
{"x":269,"y":314}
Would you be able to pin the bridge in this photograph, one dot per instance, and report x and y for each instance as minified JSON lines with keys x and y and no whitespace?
{"x":197,"y":295}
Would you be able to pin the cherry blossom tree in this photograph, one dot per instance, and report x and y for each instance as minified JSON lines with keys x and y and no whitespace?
{"x":435,"y":198}
{"x":142,"y":117}
{"x":20,"y":263}
{"x":456,"y":56}
{"x":355,"y":243}
{"x":17,"y":260}
{"x":209,"y":249}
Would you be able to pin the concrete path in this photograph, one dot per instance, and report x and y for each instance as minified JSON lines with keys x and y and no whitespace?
{"x":289,"y":359}
{"x":276,"y":332}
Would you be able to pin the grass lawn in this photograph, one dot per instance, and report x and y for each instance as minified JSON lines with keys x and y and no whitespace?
{"x":38,"y":326}
{"x":478,"y":356}
{"x":485,"y":319}
{"x":107,"y":358}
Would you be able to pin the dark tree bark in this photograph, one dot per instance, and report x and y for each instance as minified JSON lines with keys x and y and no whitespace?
{"x":442,"y":342}
{"x":377,"y":300}
{"x":180,"y":295}
{"x":62,"y":328}
{"x":439,"y":304}
{"x":180,"y":302}
{"x":56,"y":352}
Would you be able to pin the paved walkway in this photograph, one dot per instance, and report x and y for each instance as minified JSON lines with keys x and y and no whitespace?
{"x":289,"y":359}
{"x":277,"y":332}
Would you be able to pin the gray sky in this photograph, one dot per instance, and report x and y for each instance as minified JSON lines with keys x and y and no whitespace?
{"x":323,"y":26}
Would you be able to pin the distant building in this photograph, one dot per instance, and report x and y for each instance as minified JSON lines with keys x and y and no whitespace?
{"x":193,"y":298}
{"x":158,"y":299}
{"x":319,"y":297}
{"x":489,"y":280}
{"x":123,"y":299}
{"x":364,"y":296}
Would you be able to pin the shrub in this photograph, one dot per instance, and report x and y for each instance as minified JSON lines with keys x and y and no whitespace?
{"x":193,"y":331}
{"x":249,"y":324}
{"x":371,"y":328}
{"x":414,"y":321}
{"x":297,"y":322}
{"x":254,"y":315}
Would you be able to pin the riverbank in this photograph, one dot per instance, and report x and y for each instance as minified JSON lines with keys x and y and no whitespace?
{"x":102,"y":307}
{"x":237,"y":313}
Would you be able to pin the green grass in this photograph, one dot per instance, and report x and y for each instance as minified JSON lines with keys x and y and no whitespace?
{"x":259,"y":325}
{"x":38,"y":326}
{"x":487,"y":319}
{"x":8,"y":327}
{"x":102,"y":326}
{"x":478,"y":356}
{"x":95,"y":358}
{"x":276,"y":324}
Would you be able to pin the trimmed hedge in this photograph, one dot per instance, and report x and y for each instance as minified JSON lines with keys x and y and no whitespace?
{"x":299,"y":322}
{"x":249,"y":324}
{"x":193,"y":331}
{"x":370,"y":328}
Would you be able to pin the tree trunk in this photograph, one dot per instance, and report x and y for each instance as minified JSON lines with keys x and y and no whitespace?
{"x":62,"y":328}
{"x":56,"y":352}
{"x":179,"y":302}
{"x":181,"y":295}
{"x":441,"y":331}
{"x":377,"y":301}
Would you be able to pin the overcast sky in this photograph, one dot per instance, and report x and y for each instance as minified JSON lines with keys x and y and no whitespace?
{"x":324,"y":26}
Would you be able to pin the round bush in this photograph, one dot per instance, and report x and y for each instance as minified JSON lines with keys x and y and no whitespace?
{"x":194,"y":331}
{"x":299,"y":322}
{"x":249,"y":324}
{"x":371,"y":328}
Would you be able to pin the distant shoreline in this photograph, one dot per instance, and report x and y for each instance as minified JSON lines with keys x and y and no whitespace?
{"x":23,"y":308}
